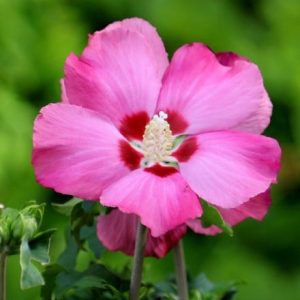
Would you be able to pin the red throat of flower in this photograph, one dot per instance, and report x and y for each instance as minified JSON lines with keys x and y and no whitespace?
{"x":158,"y":152}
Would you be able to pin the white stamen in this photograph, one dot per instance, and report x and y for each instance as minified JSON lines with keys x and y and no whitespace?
{"x":158,"y":139}
{"x":163,"y":115}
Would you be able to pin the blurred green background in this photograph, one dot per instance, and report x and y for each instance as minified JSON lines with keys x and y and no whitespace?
{"x":35,"y":38}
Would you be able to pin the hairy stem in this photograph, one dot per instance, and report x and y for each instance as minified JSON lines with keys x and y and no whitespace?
{"x":136,"y":275}
{"x":2,"y":275}
{"x":181,"y":271}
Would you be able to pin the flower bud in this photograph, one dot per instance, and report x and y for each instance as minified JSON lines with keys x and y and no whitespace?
{"x":32,"y":217}
{"x":18,"y":225}
{"x":4,"y":231}
{"x":30,"y":227}
{"x":34,"y":211}
{"x":17,"y":228}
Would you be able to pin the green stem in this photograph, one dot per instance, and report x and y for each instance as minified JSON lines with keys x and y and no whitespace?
{"x":181,"y":271}
{"x":2,"y":275}
{"x":136,"y":275}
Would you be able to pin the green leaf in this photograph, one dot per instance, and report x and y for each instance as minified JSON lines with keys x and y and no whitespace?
{"x":40,"y":246}
{"x":50,"y":275}
{"x":30,"y":275}
{"x":69,"y":256}
{"x":83,"y":214}
{"x":196,"y":295}
{"x":82,"y":232}
{"x":66,"y":208}
{"x":214,"y":291}
{"x":211,"y":216}
{"x":95,"y":282}
{"x":89,"y":234}
{"x":166,"y":290}
{"x":36,"y":249}
{"x":200,"y":288}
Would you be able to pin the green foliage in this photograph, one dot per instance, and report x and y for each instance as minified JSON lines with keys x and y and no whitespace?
{"x":67,"y":207}
{"x":200,"y":288}
{"x":207,"y":290}
{"x":63,"y":281}
{"x":39,"y":246}
{"x":82,"y":232}
{"x":30,"y":275}
{"x":19,"y":235}
{"x":96,"y":282}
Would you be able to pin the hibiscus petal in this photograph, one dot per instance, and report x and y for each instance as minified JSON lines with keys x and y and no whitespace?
{"x":75,"y":152}
{"x":260,"y":119}
{"x":150,"y":34}
{"x":256,"y":208}
{"x":197,"y":227}
{"x":161,"y":201}
{"x":118,"y":74}
{"x":207,"y":94}
{"x":228,"y":168}
{"x":117,"y":232}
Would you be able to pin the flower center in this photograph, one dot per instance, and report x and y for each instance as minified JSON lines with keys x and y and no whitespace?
{"x":157,"y":139}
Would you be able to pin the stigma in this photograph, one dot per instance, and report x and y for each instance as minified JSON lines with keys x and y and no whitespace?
{"x":157,"y":139}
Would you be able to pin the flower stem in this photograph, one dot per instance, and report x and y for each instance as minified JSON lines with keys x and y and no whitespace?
{"x":2,"y":275}
{"x":181,"y":271}
{"x":136,"y":275}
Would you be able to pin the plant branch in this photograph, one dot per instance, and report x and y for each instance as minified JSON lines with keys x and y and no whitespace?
{"x":180,"y":271}
{"x":136,"y":275}
{"x":3,"y":257}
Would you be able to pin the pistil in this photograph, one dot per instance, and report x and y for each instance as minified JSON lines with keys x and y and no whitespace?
{"x":157,"y":139}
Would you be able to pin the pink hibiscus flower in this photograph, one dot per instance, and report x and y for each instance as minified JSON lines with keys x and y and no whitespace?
{"x":117,"y":231}
{"x":149,"y":137}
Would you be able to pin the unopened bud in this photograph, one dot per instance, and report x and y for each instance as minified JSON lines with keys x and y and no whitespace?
{"x":18,"y":225}
{"x":4,"y":232}
{"x":17,"y":228}
{"x":34,"y":211}
{"x":30,"y":227}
